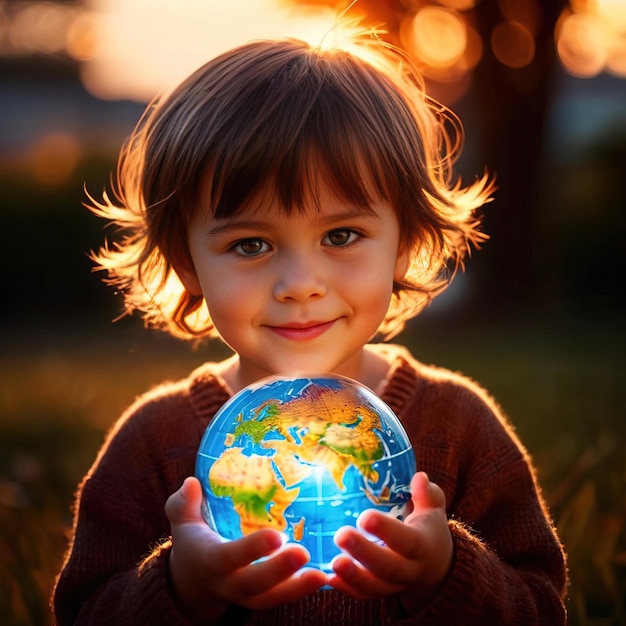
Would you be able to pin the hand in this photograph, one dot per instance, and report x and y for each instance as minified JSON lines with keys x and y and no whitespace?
{"x":209,"y":574}
{"x":415,"y":559}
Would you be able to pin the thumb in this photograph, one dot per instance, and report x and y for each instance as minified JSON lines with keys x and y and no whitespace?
{"x":425,"y":494}
{"x":184,"y":505}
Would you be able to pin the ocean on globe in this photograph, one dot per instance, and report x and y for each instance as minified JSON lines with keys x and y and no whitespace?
{"x":305,"y":456}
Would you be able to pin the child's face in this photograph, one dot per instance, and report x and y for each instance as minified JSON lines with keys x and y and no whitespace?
{"x":300,"y":292}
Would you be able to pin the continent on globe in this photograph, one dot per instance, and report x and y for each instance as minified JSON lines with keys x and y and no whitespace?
{"x":304,"y":456}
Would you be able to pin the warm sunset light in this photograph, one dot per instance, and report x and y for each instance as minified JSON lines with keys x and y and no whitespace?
{"x":81,"y":37}
{"x":446,"y":47}
{"x":142,"y":48}
{"x":525,"y":98}
{"x":134,"y":49}
{"x":581,"y":45}
{"x":591,"y":38}
{"x":439,"y":37}
{"x":39,"y":27}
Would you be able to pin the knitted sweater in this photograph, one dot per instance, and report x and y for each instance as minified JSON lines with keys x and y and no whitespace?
{"x":509,"y":567}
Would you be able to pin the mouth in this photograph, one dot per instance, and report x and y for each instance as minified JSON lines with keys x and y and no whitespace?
{"x":302,"y":331}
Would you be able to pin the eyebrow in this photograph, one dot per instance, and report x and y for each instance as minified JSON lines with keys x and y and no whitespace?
{"x":226,"y":225}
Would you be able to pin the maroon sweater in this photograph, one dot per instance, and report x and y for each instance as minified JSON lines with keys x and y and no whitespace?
{"x":509,"y":567}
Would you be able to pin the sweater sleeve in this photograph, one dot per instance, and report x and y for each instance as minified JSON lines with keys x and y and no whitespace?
{"x":509,"y":567}
{"x":116,"y":568}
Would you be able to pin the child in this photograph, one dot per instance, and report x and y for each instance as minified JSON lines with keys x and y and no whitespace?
{"x":296,"y":201}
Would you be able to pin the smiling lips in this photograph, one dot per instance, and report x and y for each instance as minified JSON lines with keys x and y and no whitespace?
{"x":302,"y":331}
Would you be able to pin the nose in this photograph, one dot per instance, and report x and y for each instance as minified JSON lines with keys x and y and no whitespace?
{"x":299,"y":278}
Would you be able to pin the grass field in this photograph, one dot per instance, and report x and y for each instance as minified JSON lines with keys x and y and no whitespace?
{"x":562,"y":385}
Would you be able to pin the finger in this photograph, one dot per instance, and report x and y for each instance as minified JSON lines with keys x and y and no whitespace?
{"x":233,"y":555}
{"x":346,"y":576}
{"x":354,"y":580}
{"x":184,"y":505}
{"x":262,"y":576}
{"x":382,"y":561}
{"x":425,"y":494}
{"x":302,"y":584}
{"x":397,"y":536}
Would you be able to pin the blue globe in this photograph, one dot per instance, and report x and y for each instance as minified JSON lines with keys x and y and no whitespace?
{"x":304,"y":456}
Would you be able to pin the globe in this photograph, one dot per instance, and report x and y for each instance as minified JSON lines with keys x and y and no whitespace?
{"x":303,"y":455}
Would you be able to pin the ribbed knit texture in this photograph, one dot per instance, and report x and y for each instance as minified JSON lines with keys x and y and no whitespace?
{"x":509,"y":567}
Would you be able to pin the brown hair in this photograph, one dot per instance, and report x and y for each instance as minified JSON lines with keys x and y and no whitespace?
{"x":279,"y":116}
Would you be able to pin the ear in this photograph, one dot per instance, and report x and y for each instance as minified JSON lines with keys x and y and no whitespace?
{"x":188,"y":277}
{"x":403,"y":262}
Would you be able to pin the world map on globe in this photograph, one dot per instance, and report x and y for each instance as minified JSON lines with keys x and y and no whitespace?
{"x":304,"y":456}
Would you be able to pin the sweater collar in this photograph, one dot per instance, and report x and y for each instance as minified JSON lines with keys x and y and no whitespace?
{"x":402,"y":377}
{"x":208,"y":391}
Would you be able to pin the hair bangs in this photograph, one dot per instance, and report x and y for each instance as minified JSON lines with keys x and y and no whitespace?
{"x":318,"y":131}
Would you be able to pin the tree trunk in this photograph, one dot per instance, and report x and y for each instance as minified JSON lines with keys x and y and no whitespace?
{"x":509,"y":110}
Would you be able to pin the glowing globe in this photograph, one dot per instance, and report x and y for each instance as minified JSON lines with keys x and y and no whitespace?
{"x":304,"y":456}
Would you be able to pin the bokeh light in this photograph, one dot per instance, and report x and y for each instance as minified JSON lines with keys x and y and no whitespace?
{"x":36,"y":27}
{"x":513,"y":44}
{"x":134,"y":49}
{"x":439,"y":37}
{"x":54,"y":158}
{"x":143,"y":47}
{"x":591,"y":38}
{"x":581,"y":45}
{"x":525,"y":12}
{"x":81,"y":37}
{"x":459,"y":5}
{"x":445,"y":46}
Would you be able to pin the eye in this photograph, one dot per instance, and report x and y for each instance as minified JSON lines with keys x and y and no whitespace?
{"x":341,"y":237}
{"x":250,"y":247}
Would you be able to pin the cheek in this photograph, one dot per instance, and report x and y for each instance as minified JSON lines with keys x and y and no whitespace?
{"x":223,"y":295}
{"x":372,"y":287}
{"x":229,"y":300}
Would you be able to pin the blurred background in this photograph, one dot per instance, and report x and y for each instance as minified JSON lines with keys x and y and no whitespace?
{"x":537,"y":318}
